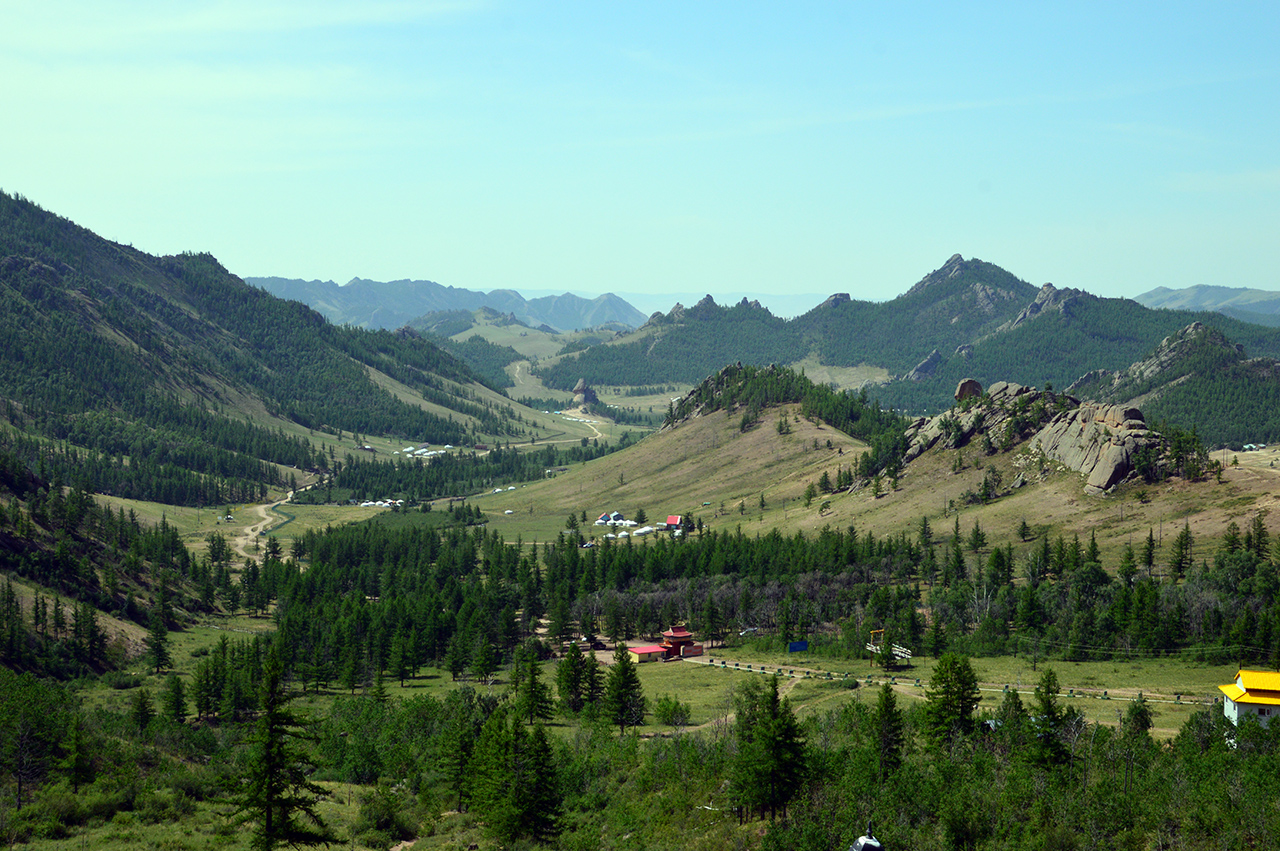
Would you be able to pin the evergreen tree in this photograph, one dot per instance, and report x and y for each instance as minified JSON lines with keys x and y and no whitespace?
{"x":1050,"y":720}
{"x":514,"y":778}
{"x":158,"y":641}
{"x":485,"y":662}
{"x":771,"y":760}
{"x":953,"y":696}
{"x":277,"y":797}
{"x":890,"y":731}
{"x":624,"y":702}
{"x":142,"y":710}
{"x":593,"y":682}
{"x":1261,"y":538}
{"x":712,"y":625}
{"x":533,"y":697}
{"x":398,"y":661}
{"x":977,"y":538}
{"x":175,"y":698}
{"x":570,"y":678}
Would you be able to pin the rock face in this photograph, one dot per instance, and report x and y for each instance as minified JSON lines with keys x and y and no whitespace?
{"x":1049,"y":298}
{"x":925,"y":368}
{"x":1098,"y":440}
{"x":1101,"y":441}
{"x":1008,"y":401}
{"x":969,"y":388}
{"x":582,"y":394}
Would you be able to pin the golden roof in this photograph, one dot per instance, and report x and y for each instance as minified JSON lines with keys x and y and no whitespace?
{"x":1259,"y":687}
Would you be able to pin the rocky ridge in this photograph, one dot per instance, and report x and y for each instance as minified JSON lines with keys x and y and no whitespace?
{"x":1100,"y":441}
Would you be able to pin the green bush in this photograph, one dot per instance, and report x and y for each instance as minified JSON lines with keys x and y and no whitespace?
{"x":671,"y":712}
{"x":385,"y":816}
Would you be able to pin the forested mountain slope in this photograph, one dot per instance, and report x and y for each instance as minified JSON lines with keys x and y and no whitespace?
{"x":967,"y":319}
{"x":1199,"y":378}
{"x":157,"y":360}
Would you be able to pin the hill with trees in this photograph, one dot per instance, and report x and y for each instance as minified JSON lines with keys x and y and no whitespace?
{"x":134,"y":374}
{"x":1201,"y":379}
{"x":967,"y":319}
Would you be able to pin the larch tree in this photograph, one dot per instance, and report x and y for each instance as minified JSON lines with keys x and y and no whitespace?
{"x":623,"y":695}
{"x":276,"y":797}
{"x":953,"y":696}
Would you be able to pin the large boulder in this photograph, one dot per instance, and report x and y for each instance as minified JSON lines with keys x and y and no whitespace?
{"x":583,"y":394}
{"x":969,"y":388}
{"x":1098,"y":440}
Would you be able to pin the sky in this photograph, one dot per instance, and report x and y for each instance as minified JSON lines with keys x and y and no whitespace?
{"x":659,"y":150}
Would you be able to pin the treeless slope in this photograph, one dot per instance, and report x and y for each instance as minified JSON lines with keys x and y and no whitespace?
{"x":709,"y":460}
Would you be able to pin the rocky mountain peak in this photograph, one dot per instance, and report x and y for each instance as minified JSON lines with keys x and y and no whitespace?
{"x":835,"y":300}
{"x":954,"y":266}
{"x":1049,"y":298}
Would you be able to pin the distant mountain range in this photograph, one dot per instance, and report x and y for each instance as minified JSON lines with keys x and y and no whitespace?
{"x":393,"y":304}
{"x":966,"y":319}
{"x":1247,"y":305}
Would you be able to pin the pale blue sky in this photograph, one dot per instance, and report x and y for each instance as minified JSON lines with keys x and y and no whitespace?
{"x":675,"y":149}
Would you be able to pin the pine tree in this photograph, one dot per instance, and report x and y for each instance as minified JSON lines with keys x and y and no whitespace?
{"x":624,"y":702}
{"x":890,"y":731}
{"x":398,"y":661}
{"x":175,"y":698}
{"x":277,"y":797}
{"x":771,"y":759}
{"x":953,"y":696}
{"x":142,"y":710}
{"x":158,"y":641}
{"x":1261,"y":539}
{"x":593,"y":682}
{"x":514,"y":780}
{"x":570,"y":676}
{"x":484,"y":664}
{"x":534,"y":696}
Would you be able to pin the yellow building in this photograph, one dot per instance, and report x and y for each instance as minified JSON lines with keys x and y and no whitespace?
{"x":1254,"y":693}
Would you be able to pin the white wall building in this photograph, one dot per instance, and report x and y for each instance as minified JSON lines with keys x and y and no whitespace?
{"x":1254,"y":693}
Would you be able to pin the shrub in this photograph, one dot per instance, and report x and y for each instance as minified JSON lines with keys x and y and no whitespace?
{"x":670,"y":711}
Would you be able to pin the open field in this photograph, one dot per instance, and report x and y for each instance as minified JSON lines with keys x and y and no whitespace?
{"x":843,"y":377}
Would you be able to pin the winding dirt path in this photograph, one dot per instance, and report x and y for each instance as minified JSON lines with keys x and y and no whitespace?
{"x":260,"y":521}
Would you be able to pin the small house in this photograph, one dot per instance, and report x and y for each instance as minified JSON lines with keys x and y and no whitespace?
{"x":647,"y":653}
{"x":1255,"y":693}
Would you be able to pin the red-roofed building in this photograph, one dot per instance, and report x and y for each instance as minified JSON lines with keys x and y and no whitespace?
{"x":677,"y":643}
{"x":648,"y":653}
{"x":673,"y":521}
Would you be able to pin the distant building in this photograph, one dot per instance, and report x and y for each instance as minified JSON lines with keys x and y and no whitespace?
{"x":677,"y":643}
{"x":1255,"y":693}
{"x":647,"y":653}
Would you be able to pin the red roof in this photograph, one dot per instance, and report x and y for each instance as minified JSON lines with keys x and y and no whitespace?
{"x":678,"y":632}
{"x":648,"y":648}
{"x":673,"y":519}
